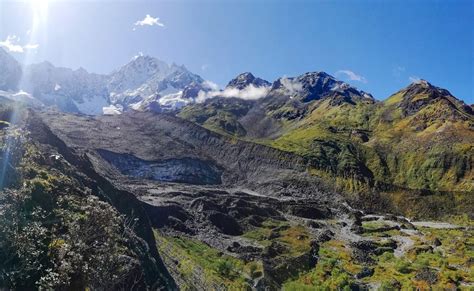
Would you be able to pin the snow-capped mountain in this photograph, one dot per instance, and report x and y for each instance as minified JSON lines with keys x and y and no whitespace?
{"x":146,"y":83}
{"x":70,"y":90}
{"x":146,"y":80}
{"x":143,"y":83}
{"x":10,"y":71}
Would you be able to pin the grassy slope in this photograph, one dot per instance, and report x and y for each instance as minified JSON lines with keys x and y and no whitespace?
{"x":418,"y":152}
{"x":370,"y":146}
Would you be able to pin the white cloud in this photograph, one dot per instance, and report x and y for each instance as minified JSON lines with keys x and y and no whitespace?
{"x":211,"y":85}
{"x":292,"y":85}
{"x":31,"y":46}
{"x":149,"y":21}
{"x":12,"y":45}
{"x":205,"y":67}
{"x":140,"y":54}
{"x":414,"y":79}
{"x":351,"y":76}
{"x":248,"y":93}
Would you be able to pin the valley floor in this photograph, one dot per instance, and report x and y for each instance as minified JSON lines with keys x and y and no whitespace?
{"x":375,"y":252}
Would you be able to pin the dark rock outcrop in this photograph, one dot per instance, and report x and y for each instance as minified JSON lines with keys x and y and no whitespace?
{"x":245,"y":79}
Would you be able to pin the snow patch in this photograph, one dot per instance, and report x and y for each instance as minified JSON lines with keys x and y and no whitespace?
{"x":112,"y":110}
{"x":92,"y":106}
{"x":174,"y":101}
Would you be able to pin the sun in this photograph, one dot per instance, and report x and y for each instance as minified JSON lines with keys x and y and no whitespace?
{"x":39,"y":6}
{"x":39,"y":10}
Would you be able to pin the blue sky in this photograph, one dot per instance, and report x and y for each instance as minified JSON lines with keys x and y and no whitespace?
{"x":383,"y":43}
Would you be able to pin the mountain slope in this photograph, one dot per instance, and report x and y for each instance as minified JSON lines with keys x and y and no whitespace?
{"x":433,"y":132}
{"x":246,"y":79}
{"x":212,"y":211}
{"x":10,"y":73}
{"x":287,"y":101}
{"x":69,"y":90}
{"x":419,"y":139}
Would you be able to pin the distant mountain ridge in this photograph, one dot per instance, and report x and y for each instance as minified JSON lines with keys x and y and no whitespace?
{"x":143,"y":81}
{"x":149,"y":84}
{"x":421,"y":137}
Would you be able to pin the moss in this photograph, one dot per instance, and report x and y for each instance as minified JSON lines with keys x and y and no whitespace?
{"x":334,"y":270}
{"x":217,"y":268}
{"x":372,"y":225}
{"x":451,"y":261}
{"x":295,"y":238}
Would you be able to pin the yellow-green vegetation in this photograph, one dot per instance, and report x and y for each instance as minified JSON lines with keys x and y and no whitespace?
{"x":377,"y":146}
{"x":334,"y":270}
{"x":200,"y":264}
{"x":414,"y":140}
{"x":218,"y":116}
{"x":435,"y":206}
{"x":295,"y":238}
{"x":372,"y":225}
{"x":449,"y":264}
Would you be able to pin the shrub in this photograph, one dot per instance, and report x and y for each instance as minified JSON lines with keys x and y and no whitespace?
{"x":403,"y":267}
{"x":226,"y":268}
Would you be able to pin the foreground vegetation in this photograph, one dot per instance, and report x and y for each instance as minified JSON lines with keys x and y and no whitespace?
{"x":54,"y":232}
{"x":448,"y":266}
{"x":197,"y":264}
{"x":432,"y":259}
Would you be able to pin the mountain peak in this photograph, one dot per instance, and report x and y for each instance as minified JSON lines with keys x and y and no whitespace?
{"x":423,"y":88}
{"x":245,"y":79}
{"x":317,"y":74}
{"x":421,"y":82}
{"x":422,"y":93}
{"x":317,"y":85}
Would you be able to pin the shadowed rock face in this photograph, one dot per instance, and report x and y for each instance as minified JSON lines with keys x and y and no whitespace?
{"x":245,"y":79}
{"x":149,"y":139}
{"x":186,"y":170}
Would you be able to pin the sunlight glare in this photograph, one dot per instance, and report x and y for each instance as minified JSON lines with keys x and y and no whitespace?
{"x":40,"y":8}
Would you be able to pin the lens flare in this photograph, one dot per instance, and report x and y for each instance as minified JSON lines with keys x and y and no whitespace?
{"x":39,"y":18}
{"x":39,"y":5}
